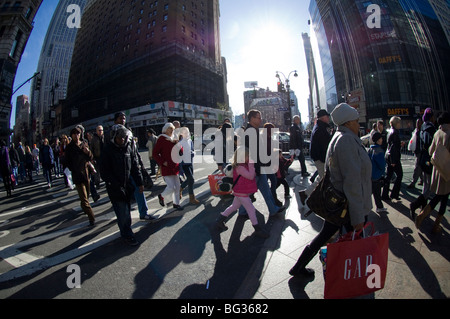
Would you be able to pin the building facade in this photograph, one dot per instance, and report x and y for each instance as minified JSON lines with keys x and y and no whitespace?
{"x":16,"y":23}
{"x":21,"y":128}
{"x":395,"y":67}
{"x":272,"y":105}
{"x":143,"y":53}
{"x":53,"y":65}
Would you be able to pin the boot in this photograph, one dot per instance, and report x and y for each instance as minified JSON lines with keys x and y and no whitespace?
{"x":193,"y":200}
{"x":423,"y":214}
{"x":437,"y":225}
{"x":220,"y":222}
{"x":299,"y":268}
{"x":420,"y":201}
{"x":259,"y":232}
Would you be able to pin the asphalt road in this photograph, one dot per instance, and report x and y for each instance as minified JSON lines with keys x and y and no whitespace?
{"x":43,"y":231}
{"x":47,"y":247}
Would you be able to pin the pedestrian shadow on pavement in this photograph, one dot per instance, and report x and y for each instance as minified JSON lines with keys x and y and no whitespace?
{"x":297,"y":286}
{"x":233,"y":262}
{"x":402,"y":245}
{"x":186,"y":246}
{"x":55,"y":284}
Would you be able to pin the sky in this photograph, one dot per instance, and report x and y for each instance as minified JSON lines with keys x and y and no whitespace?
{"x":258,"y":38}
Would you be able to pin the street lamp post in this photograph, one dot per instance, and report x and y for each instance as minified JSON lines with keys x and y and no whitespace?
{"x":287,"y":86}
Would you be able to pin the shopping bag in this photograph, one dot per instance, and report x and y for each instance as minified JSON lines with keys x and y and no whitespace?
{"x":356,"y":267}
{"x":68,"y":174}
{"x":214,"y":184}
{"x":412,"y":142}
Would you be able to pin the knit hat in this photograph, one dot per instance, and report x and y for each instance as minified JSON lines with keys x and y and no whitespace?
{"x":117,"y":115}
{"x":321,"y":113}
{"x":428,"y":114}
{"x":121,"y":131}
{"x":376,"y":136}
{"x":343,"y":113}
{"x":75,"y":130}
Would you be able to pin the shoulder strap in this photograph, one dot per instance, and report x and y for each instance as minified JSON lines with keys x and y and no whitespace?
{"x":234,"y":183}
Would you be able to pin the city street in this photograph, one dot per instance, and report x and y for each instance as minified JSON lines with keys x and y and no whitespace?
{"x":181,"y":256}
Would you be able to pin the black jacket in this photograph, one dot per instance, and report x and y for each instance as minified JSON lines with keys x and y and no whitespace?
{"x":394,"y":147}
{"x":320,"y":138}
{"x":117,"y":165}
{"x":296,"y":138}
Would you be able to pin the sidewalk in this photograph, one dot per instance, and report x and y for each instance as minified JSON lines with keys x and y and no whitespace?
{"x":418,"y":261}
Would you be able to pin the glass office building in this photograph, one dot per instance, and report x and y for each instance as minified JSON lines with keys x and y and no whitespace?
{"x":394,"y":68}
{"x":53,"y":65}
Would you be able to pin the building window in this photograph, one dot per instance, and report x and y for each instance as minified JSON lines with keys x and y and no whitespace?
{"x":164,"y":28}
{"x":13,"y":51}
{"x":28,"y":14}
{"x":166,"y":6}
{"x":165,"y":17}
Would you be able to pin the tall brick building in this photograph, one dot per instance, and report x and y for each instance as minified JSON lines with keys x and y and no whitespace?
{"x":141,"y":52}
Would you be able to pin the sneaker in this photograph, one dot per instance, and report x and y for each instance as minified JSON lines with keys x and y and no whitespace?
{"x":306,"y":174}
{"x":161,"y":200}
{"x":381,"y":210}
{"x":177,"y":207}
{"x":96,"y":198}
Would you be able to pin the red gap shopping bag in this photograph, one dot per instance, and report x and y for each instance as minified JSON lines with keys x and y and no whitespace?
{"x":348,"y":273}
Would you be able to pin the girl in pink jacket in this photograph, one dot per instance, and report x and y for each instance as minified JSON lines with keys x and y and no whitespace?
{"x":244,"y":184}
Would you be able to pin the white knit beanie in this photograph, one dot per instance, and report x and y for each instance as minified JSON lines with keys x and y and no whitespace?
{"x":343,"y":113}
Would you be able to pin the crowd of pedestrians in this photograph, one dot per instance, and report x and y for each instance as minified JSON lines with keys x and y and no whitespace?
{"x":359,"y":176}
{"x":86,"y":159}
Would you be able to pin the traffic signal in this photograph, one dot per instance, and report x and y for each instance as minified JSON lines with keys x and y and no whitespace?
{"x":38,"y":83}
{"x":287,"y":119}
{"x":279,"y":86}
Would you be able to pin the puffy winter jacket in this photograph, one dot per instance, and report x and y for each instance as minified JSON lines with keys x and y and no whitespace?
{"x":247,"y":182}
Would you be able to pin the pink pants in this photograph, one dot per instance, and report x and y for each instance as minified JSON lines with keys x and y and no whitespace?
{"x":248,"y":205}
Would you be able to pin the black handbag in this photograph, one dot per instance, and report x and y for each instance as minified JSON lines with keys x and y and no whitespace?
{"x":328,"y":202}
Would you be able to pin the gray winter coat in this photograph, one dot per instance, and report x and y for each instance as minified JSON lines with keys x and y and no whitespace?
{"x":350,"y":172}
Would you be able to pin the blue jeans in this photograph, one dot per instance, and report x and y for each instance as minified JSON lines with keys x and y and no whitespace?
{"x":189,"y":182}
{"x":140,"y":200}
{"x":47,"y":169}
{"x":263,"y":186}
{"x":123,"y":214}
